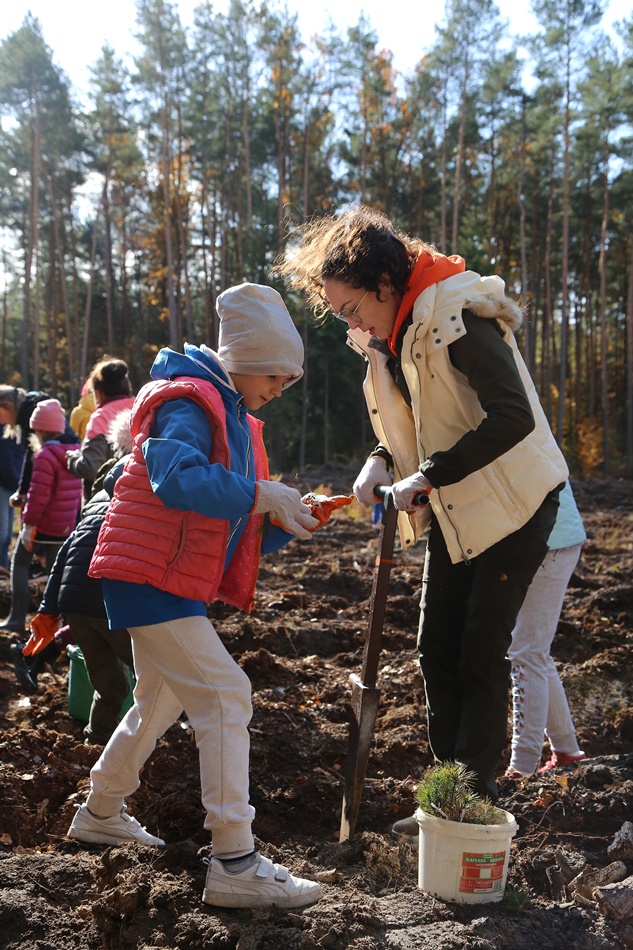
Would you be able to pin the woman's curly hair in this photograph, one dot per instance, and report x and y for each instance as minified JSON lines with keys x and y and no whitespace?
{"x":358,"y":246}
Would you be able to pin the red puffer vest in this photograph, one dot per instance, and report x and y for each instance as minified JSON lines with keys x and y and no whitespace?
{"x":181,"y":552}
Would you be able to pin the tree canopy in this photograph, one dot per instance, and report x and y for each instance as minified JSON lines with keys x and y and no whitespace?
{"x":222,"y":137}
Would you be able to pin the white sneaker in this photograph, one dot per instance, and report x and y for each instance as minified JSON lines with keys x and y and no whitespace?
{"x":119,"y":828}
{"x":261,"y":885}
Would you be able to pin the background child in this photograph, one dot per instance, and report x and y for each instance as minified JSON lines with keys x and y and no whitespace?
{"x":77,"y":598}
{"x":190,"y":514}
{"x":50,"y":510}
{"x":80,"y":415}
{"x":11,"y":456}
{"x":110,"y":383}
{"x":538,"y":696}
{"x":16,"y":411}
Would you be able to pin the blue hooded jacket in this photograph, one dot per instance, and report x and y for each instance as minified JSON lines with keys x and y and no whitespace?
{"x":177,"y":455}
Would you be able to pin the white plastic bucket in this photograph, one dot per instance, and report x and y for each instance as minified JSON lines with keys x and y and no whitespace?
{"x":463,"y":862}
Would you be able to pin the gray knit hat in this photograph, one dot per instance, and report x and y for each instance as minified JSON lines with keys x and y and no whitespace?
{"x":257,"y":336}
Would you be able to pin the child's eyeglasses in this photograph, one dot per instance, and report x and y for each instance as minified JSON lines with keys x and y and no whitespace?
{"x":348,"y":314}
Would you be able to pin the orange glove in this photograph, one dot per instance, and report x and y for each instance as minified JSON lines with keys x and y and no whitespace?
{"x":322,"y":506}
{"x":43,"y":629}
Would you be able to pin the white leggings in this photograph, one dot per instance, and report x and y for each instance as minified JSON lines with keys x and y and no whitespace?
{"x":182,"y":664}
{"x":538,"y":698}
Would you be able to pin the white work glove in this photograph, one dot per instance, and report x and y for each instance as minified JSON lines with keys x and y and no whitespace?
{"x":405,"y":490}
{"x":71,"y":459}
{"x":27,"y":536}
{"x":286,"y":509}
{"x":374,"y":472}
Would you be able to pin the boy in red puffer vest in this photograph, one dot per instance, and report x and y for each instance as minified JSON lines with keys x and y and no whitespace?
{"x":191,"y":513}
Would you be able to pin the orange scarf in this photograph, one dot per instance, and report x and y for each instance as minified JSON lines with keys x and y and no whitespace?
{"x":430,"y":268}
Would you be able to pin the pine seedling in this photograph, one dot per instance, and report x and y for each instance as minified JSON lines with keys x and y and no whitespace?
{"x":446,"y":791}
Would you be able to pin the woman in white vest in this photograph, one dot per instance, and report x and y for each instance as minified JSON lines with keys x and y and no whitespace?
{"x":456,"y":416}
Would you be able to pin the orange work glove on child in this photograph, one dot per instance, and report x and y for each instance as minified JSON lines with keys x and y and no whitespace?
{"x":322,"y":506}
{"x":43,"y":629}
{"x":284,"y":507}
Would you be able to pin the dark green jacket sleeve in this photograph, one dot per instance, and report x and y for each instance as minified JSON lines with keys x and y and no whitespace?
{"x":488,"y":364}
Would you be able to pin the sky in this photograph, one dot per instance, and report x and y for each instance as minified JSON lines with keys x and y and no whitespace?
{"x":76,"y":39}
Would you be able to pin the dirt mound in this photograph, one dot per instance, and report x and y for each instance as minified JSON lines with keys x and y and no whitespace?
{"x":298,"y":648}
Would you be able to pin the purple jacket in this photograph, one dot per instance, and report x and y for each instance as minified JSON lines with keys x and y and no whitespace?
{"x":54,"y":496}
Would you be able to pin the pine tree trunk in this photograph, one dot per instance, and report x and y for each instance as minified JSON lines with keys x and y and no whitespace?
{"x":459,"y":158}
{"x":604,"y":338}
{"x":174,"y":334}
{"x":125,"y":297}
{"x":207,"y":335}
{"x":31,"y":244}
{"x":305,"y":319}
{"x":443,"y":188}
{"x":629,"y":369}
{"x":564,"y":306}
{"x":63,"y":287}
{"x":182,"y":237}
{"x":246,"y":144}
{"x":107,"y":253}
{"x":546,"y":376}
{"x":528,"y":351}
{"x":83,"y":362}
{"x":5,"y":319}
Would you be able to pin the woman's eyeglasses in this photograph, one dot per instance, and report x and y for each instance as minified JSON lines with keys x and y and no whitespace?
{"x":348,"y":314}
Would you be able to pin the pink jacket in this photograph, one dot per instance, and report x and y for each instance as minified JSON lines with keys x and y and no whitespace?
{"x":54,"y":496}
{"x":103,"y":415}
{"x":181,"y":552}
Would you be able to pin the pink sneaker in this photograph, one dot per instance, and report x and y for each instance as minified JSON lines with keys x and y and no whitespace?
{"x":512,"y":773}
{"x":560,"y":759}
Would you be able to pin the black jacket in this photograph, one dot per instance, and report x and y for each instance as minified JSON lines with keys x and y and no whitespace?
{"x":69,"y":589}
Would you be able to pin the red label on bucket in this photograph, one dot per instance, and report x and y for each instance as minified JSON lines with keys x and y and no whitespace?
{"x":482,"y":872}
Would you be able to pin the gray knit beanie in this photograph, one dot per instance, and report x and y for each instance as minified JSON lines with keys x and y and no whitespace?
{"x":257,"y":336}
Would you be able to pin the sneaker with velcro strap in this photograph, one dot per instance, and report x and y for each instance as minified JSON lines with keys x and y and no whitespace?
{"x":263,"y":884}
{"x":118,"y":829}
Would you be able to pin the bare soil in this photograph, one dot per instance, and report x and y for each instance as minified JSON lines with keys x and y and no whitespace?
{"x":299,"y":648}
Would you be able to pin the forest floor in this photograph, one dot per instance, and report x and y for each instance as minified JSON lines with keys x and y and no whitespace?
{"x":299,"y":648}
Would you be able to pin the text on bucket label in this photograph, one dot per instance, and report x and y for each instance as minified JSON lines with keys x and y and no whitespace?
{"x":482,"y":872}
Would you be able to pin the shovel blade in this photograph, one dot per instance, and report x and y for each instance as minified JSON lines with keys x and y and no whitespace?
{"x":364,"y":708}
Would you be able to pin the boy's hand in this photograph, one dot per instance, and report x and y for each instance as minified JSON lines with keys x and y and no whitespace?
{"x":285,"y":507}
{"x":374,"y":472}
{"x":322,"y":506}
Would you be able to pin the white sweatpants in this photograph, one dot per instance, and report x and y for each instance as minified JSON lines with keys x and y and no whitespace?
{"x":538,"y":698}
{"x":182,"y":664}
